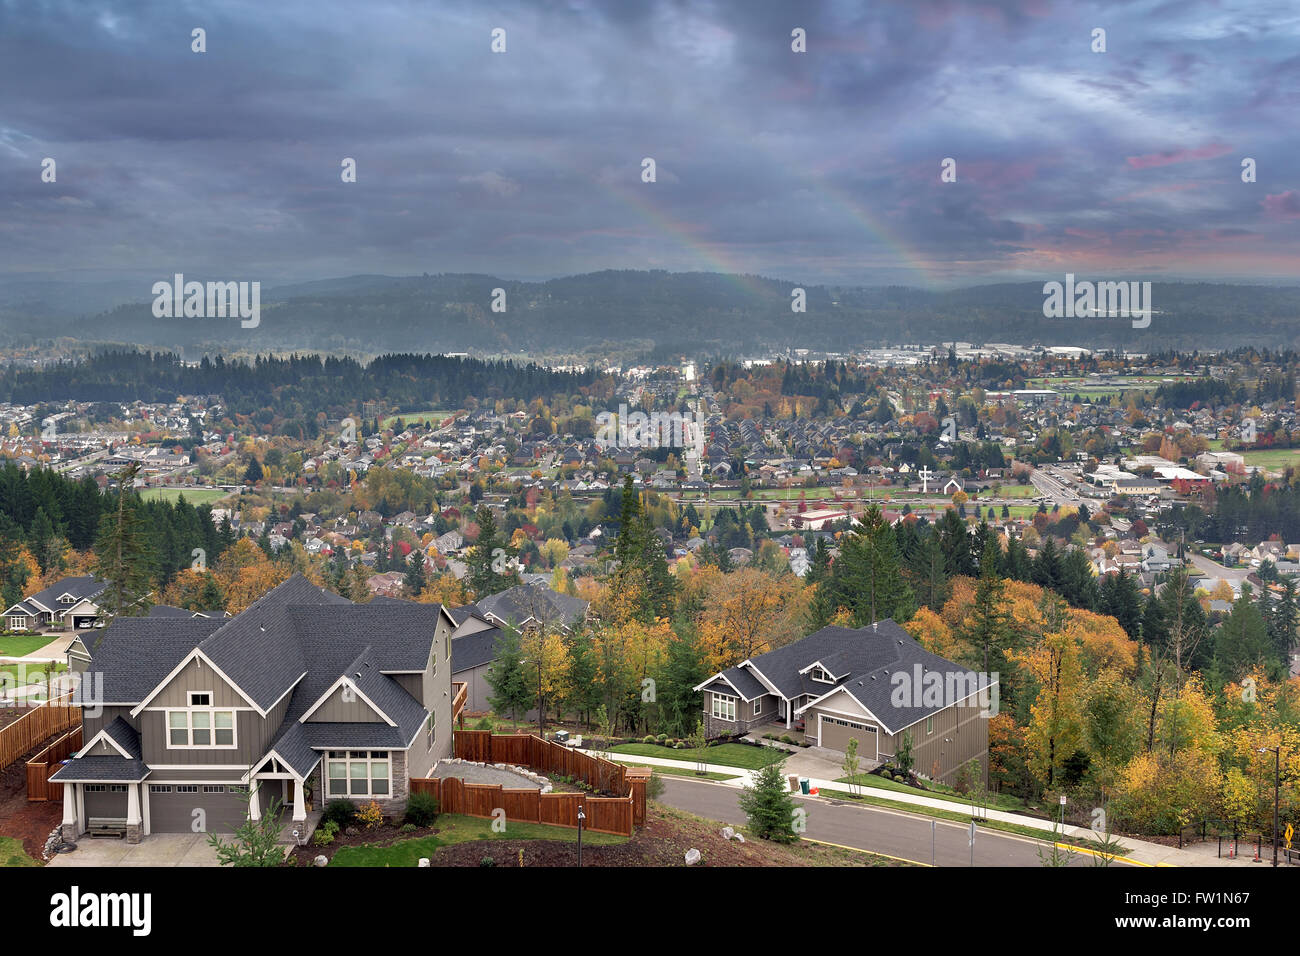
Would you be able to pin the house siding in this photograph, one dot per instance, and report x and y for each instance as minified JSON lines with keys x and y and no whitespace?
{"x":91,"y":725}
{"x":336,"y":710}
{"x":197,"y":676}
{"x":967,"y":736}
{"x":744,"y":722}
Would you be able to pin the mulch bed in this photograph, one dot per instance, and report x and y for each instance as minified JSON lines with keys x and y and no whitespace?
{"x":29,"y":822}
{"x":385,"y":835}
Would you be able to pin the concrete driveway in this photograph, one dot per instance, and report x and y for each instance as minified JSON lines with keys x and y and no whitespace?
{"x":161,"y":849}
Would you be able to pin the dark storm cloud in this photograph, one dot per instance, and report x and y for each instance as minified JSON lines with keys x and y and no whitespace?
{"x":822,"y":165}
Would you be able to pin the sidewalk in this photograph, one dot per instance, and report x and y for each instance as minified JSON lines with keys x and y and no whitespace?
{"x":1140,"y":852}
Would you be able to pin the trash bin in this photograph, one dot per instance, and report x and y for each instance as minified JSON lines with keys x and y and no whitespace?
{"x":803,"y":784}
{"x":794,"y":782}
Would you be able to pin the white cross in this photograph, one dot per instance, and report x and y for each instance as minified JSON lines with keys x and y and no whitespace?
{"x":926,"y":475}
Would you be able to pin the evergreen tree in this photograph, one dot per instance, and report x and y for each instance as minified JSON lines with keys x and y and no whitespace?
{"x":122,"y":555}
{"x":582,"y":679}
{"x":679,"y":703}
{"x":988,"y":626}
{"x":508,"y":678}
{"x":768,"y":805}
{"x":415,"y":580}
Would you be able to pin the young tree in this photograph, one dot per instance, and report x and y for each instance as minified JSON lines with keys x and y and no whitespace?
{"x":851,"y":765}
{"x":507,"y":678}
{"x":256,"y":842}
{"x":769,"y":806}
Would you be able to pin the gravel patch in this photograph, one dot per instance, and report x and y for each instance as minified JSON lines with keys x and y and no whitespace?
{"x":478,"y":773}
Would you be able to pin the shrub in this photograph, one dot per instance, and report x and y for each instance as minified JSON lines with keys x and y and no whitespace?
{"x":654,"y":788}
{"x":421,"y":809}
{"x":805,"y":743}
{"x":648,"y":739}
{"x":661,"y":737}
{"x":370,"y":815}
{"x":680,"y":745}
{"x":409,"y":828}
{"x":325,"y":833}
{"x":487,"y":861}
{"x":786,"y":739}
{"x":339,"y":812}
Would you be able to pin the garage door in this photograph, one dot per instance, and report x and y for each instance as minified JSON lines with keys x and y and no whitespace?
{"x":172,"y":806}
{"x":835,"y":734}
{"x":106,"y":800}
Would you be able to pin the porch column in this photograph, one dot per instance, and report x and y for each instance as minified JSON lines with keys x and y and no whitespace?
{"x":133,"y":828}
{"x":299,"y":802}
{"x":70,"y":828}
{"x":254,"y":804}
{"x":789,"y":714}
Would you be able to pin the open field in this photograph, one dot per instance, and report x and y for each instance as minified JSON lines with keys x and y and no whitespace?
{"x":435,"y":415}
{"x":195,"y":496}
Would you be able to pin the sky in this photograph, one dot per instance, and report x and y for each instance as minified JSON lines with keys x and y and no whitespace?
{"x":822,"y":166}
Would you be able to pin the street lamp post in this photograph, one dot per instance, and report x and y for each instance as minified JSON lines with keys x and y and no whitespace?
{"x":581,"y":817}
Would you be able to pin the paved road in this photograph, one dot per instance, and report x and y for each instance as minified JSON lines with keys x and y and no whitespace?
{"x":1215,"y":570}
{"x":868,"y":828}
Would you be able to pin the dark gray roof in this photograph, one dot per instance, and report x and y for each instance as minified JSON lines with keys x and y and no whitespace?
{"x":134,"y":654}
{"x":125,"y":736}
{"x":101,"y":770}
{"x":516,"y":605}
{"x":864,"y":661}
{"x":474,"y":650}
{"x":81,"y":586}
{"x":742,"y":680}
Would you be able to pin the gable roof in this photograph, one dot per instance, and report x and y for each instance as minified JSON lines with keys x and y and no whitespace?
{"x":79,"y":588}
{"x":474,"y":650}
{"x":526,"y":602}
{"x":864,"y":661}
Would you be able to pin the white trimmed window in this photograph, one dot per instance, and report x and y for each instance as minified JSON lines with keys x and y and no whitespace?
{"x":429,"y":734}
{"x":358,"y":773}
{"x":758,"y":706}
{"x":200,"y":725}
{"x":820,"y":675}
{"x":929,"y":725}
{"x":724,"y":707}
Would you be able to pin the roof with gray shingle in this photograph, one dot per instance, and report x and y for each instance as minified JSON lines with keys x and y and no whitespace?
{"x":864,"y":662}
{"x":474,"y":650}
{"x":101,"y":770}
{"x":126,"y":737}
{"x":528,"y":601}
{"x":134,"y":654}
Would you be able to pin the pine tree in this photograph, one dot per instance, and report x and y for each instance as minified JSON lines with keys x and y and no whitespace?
{"x":768,"y":805}
{"x":122,"y":555}
{"x":988,"y":627}
{"x":679,"y":703}
{"x":415,"y":580}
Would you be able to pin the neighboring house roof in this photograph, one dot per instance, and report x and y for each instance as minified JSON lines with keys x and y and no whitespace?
{"x":864,"y":662}
{"x":78,"y":588}
{"x":526,"y":602}
{"x":474,"y":650}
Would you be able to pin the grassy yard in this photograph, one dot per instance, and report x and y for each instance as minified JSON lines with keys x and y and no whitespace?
{"x":455,"y":828}
{"x":1012,"y":491}
{"x":1274,"y":459}
{"x":683,"y":772}
{"x":726,"y":755}
{"x":194,"y":496}
{"x":999,"y":801}
{"x":12,"y":853}
{"x":32,"y":673}
{"x":22,"y":645}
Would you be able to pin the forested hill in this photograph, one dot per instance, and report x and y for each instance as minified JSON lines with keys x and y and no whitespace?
{"x":711,"y":311}
{"x":295,"y":386}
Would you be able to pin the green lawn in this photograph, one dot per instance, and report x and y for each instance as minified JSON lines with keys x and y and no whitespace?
{"x":726,"y":755}
{"x":32,"y":673}
{"x":1274,"y":459}
{"x":998,"y":801}
{"x":1012,"y":491}
{"x":435,"y":415}
{"x":683,"y":772}
{"x":12,"y":853}
{"x":454,"y":828}
{"x":24,"y":644}
{"x":194,"y":496}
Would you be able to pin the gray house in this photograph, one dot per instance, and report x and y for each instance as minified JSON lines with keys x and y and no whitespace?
{"x":70,"y":603}
{"x":875,"y":684}
{"x":191,"y":724}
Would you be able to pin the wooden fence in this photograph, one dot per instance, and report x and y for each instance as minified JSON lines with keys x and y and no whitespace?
{"x":47,"y":763}
{"x":38,"y":724}
{"x":544,"y":756}
{"x":617,"y":814}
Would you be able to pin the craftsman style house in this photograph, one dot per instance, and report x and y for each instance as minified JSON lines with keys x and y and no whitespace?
{"x":192,"y":724}
{"x":70,"y":603}
{"x":875,"y":684}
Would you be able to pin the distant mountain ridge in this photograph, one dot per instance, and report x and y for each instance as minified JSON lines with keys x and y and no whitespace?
{"x":710,"y":311}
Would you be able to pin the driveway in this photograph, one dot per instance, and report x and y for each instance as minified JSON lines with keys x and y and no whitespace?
{"x":161,"y":849}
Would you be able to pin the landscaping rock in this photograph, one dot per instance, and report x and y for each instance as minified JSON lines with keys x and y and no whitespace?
{"x":424,"y":861}
{"x":728,"y":833}
{"x":692,"y":856}
{"x":740,"y":838}
{"x":321,"y":860}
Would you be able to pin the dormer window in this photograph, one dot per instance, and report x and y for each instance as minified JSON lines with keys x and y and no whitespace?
{"x":821,"y":675}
